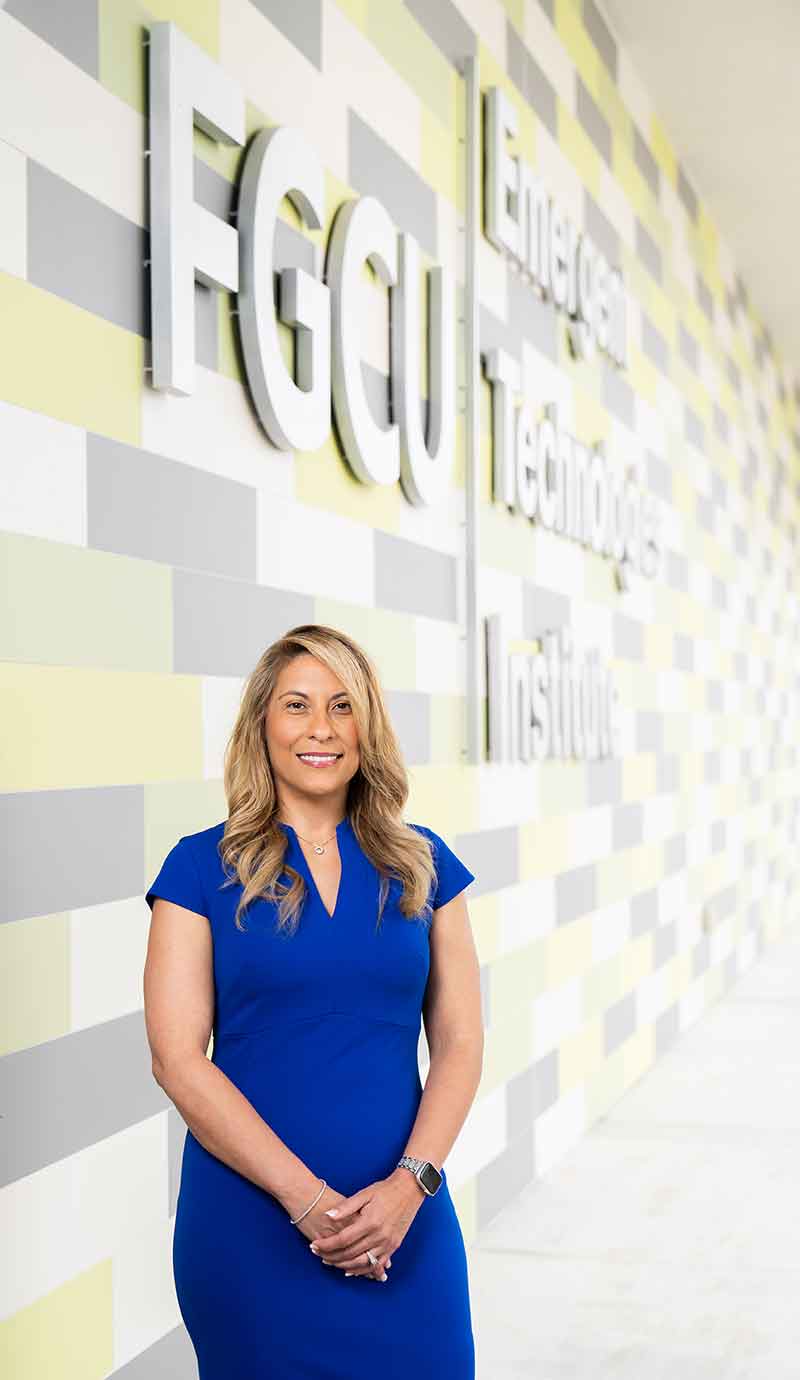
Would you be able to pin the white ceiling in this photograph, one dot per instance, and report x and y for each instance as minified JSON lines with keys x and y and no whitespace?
{"x":724,"y":77}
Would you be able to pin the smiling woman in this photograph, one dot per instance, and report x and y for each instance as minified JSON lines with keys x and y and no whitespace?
{"x":314,"y":929}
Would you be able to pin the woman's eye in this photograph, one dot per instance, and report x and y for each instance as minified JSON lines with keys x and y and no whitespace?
{"x":343,"y":704}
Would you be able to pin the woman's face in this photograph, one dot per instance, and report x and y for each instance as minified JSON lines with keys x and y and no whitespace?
{"x":309,"y":721}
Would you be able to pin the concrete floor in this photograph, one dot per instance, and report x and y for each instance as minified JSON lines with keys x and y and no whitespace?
{"x":666,"y":1245}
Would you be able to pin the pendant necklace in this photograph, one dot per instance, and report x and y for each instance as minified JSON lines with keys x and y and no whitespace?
{"x":318,"y":847}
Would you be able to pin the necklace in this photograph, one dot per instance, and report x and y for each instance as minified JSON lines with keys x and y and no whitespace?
{"x":318,"y":847}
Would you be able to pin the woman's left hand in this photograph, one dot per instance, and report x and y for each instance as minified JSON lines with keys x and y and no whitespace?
{"x":376,"y":1219}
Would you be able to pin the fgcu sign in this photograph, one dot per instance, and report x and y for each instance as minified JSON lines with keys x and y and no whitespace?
{"x":539,"y":469}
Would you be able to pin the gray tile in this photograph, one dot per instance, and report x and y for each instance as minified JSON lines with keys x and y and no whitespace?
{"x":684,"y":652}
{"x":719,"y":834}
{"x":687,"y":345}
{"x":530,"y":80}
{"x":542,"y":609}
{"x":86,"y":253}
{"x":714,"y":696}
{"x":414,"y":579}
{"x":627,"y":825}
{"x":604,"y":781}
{"x":730,"y":970}
{"x":594,"y":122}
{"x":376,"y":170}
{"x":72,"y":29}
{"x":141,"y":504}
{"x":665,"y":944}
{"x":378,"y":389}
{"x":645,"y":162}
{"x":485,"y":980}
{"x":741,"y":292}
{"x":677,"y":568}
{"x":667,"y":1029}
{"x":704,"y":297}
{"x":618,"y":395}
{"x":628,"y":637}
{"x":493,"y":856}
{"x":300,"y":23}
{"x":530,"y":317}
{"x":410,"y":711}
{"x":687,"y":194}
{"x":599,"y":229}
{"x":93,"y":840}
{"x":445,"y":25}
{"x":644,"y":912}
{"x":601,"y":35}
{"x":500,"y":1181}
{"x":668,"y":775}
{"x":549,"y":8}
{"x":721,"y":424}
{"x":659,"y":475}
{"x":674,"y":854}
{"x":704,"y":509}
{"x":619,"y":1022}
{"x":576,"y":893}
{"x":700,"y":957}
{"x":693,"y":428}
{"x":172,"y":1357}
{"x":497,"y":335}
{"x":648,"y":251}
{"x":206,"y":327}
{"x":49,"y":1093}
{"x":221,"y":626}
{"x":530,"y":1093}
{"x":649,"y":730}
{"x":654,"y":345}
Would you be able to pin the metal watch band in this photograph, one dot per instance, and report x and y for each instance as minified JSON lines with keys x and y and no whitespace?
{"x":416,"y":1165}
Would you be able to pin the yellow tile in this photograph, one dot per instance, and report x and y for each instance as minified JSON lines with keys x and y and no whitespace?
{"x":570,"y":29}
{"x":519,"y":977}
{"x":34,"y":981}
{"x":441,"y":154}
{"x":447,"y":725}
{"x":445,"y":797}
{"x":568,"y":952}
{"x":175,"y":808}
{"x":406,"y":46}
{"x":605,"y":1087}
{"x":357,"y":12}
{"x":602,"y":986}
{"x":81,"y":607}
{"x":58,"y":359}
{"x":544,"y":847}
{"x":638,"y":1054}
{"x":69,"y":727}
{"x":508,"y":1048}
{"x":575,"y":143}
{"x":388,"y":638}
{"x":67,"y":1335}
{"x":637,"y":957}
{"x":580,"y":1055}
{"x":324,"y":479}
{"x":484,"y":914}
{"x":662,"y":150}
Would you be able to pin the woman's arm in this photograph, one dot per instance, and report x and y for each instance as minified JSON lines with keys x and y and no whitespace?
{"x":179,"y":1016}
{"x":454,"y":1031}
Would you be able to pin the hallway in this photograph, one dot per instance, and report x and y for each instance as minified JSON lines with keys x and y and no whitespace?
{"x":666,"y":1245}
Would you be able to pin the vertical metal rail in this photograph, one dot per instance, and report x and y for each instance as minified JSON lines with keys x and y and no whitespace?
{"x":472,"y":364}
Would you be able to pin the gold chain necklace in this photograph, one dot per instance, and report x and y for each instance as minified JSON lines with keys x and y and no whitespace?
{"x":318,"y":847}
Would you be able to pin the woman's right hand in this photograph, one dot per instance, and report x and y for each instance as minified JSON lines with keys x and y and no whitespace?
{"x":315,"y":1224}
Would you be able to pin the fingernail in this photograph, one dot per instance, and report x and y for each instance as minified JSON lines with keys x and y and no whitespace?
{"x":347,"y":1274}
{"x":313,"y":1248}
{"x":327,"y":1262}
{"x":388,"y":1264}
{"x":331,"y":1212}
{"x":384,"y":1277}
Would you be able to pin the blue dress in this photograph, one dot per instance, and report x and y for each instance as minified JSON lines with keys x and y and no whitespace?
{"x":319,"y":1030}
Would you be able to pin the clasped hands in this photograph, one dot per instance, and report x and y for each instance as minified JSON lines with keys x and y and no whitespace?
{"x":341,"y":1230}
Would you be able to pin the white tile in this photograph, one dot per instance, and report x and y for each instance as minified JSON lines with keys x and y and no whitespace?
{"x":481,"y":1139}
{"x":215,"y":429}
{"x":314,"y":551}
{"x":71,"y":1215}
{"x":143,"y":1298}
{"x":221,"y":700}
{"x":558,"y":1129}
{"x":14,"y":220}
{"x":354,"y":66}
{"x":283,"y":83}
{"x":43,"y":475}
{"x":108,"y":945}
{"x":53,"y":111}
{"x":439,"y":669}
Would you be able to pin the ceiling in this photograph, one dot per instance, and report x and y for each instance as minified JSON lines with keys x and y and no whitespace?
{"x":724,"y":78}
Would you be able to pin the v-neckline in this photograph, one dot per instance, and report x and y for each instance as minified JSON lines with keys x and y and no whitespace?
{"x":340,"y":830}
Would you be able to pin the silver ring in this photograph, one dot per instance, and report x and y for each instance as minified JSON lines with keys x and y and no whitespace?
{"x":373,"y":1259}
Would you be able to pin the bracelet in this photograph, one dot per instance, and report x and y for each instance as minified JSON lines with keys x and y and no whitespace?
{"x":295,"y":1220}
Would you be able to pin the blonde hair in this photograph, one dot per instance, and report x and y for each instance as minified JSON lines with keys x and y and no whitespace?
{"x":253,"y":844}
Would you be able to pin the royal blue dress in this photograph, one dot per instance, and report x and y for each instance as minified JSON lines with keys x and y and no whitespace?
{"x":319,"y":1030}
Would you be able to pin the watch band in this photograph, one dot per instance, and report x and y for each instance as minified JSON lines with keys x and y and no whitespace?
{"x":417,"y":1166}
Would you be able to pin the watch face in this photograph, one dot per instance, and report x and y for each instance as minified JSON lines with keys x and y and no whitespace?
{"x":430,"y":1177}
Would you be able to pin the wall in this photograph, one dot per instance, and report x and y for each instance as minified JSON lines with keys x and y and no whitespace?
{"x":155,"y":545}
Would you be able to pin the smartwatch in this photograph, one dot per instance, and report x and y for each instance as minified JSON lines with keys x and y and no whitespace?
{"x":425,"y":1173}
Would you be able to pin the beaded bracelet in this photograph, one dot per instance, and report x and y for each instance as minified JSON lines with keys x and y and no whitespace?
{"x":295,"y":1220}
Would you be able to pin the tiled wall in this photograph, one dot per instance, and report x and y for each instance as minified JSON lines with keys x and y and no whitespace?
{"x":154,"y":545}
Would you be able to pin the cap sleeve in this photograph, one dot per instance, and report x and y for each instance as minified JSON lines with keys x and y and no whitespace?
{"x":179,"y":880}
{"x":452,"y":875}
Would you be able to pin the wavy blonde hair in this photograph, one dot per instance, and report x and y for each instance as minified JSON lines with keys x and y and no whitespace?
{"x":253,"y":844}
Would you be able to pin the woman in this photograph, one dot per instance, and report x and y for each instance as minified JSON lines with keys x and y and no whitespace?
{"x":311,"y":930}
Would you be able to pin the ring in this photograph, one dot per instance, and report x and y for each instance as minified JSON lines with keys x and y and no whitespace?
{"x":373,"y":1259}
